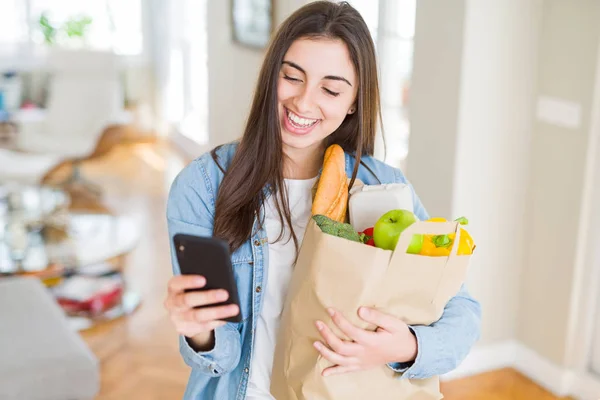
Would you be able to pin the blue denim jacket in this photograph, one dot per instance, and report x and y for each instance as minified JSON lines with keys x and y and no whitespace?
{"x":223,"y":372}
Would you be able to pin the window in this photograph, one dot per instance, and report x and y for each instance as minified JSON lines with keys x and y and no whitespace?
{"x":13,"y":23}
{"x":115,"y":24}
{"x":187,"y":87}
{"x":369,"y":10}
{"x":392,"y":26}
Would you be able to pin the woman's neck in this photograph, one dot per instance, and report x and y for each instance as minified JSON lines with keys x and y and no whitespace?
{"x":302,"y":163}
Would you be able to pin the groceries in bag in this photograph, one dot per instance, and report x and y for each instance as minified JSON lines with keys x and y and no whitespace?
{"x":342,"y":266}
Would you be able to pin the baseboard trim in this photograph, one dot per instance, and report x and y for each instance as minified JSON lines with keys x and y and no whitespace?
{"x":586,"y":387}
{"x":560,"y":381}
{"x":542,"y":371}
{"x":485,"y":358}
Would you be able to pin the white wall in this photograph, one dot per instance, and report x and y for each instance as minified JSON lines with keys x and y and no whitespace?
{"x":479,"y":149}
{"x":471,"y":118}
{"x":434,"y":101}
{"x":232,"y":73}
{"x":493,"y":150}
{"x":568,"y":54}
{"x":588,"y":270}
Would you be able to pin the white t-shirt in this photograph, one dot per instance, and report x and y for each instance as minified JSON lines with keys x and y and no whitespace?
{"x":281,"y":263}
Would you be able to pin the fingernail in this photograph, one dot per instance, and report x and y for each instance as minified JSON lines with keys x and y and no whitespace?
{"x":317,"y":345}
{"x":222,"y":295}
{"x":364,"y":311}
{"x":319,"y":325}
{"x":331,"y":311}
{"x":200,"y":280}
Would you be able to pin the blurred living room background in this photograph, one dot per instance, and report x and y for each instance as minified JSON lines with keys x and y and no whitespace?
{"x":490,"y":107}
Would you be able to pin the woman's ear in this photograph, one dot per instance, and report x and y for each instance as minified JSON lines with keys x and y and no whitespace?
{"x":352,"y":109}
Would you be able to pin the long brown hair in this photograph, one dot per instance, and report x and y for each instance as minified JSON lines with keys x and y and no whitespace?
{"x":258,"y":161}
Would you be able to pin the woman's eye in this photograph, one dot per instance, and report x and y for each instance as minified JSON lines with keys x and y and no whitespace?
{"x":330,"y":92}
{"x":289,"y":78}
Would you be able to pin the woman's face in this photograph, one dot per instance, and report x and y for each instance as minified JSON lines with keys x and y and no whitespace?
{"x":316,"y":90}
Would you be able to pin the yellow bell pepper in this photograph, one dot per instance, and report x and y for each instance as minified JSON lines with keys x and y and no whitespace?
{"x":437,"y":219}
{"x":431,"y":249}
{"x":441,"y":245}
{"x":466,"y":244}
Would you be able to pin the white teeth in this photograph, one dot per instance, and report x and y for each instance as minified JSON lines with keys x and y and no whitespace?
{"x":300,"y":121}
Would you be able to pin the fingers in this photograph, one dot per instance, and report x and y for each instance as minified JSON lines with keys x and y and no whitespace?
{"x":181,"y":302}
{"x":209,"y":314}
{"x":380,"y":319}
{"x":200,"y":298}
{"x":211,"y":325}
{"x":338,"y":369}
{"x":178,"y":300}
{"x":334,"y":357}
{"x":338,"y":345}
{"x":179,"y":283}
{"x":195,"y":321}
{"x":355,"y":333}
{"x":181,"y":305}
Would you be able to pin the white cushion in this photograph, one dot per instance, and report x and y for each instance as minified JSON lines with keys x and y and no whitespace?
{"x":41,"y":357}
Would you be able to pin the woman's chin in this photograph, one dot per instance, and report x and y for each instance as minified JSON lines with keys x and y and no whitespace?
{"x":299,"y":141}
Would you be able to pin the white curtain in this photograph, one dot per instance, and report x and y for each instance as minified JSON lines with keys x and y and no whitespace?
{"x":179,"y":47}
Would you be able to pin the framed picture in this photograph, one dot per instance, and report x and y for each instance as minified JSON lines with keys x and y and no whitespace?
{"x":252,"y":22}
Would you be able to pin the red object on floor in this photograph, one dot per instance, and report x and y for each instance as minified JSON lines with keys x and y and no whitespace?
{"x":89,"y":294}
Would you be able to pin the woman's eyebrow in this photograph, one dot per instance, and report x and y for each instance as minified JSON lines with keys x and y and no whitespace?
{"x":337,"y":78}
{"x":294,"y":65}
{"x":331,"y":77}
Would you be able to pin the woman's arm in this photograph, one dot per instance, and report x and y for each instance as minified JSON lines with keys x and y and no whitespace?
{"x":190,"y":209}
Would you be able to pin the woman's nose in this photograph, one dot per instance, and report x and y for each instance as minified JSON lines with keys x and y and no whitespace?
{"x":304,"y":102}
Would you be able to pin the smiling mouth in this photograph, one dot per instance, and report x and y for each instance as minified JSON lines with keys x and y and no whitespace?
{"x":298,"y":121}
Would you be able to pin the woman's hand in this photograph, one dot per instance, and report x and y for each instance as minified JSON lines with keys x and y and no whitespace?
{"x":391,"y":342}
{"x":197,"y":323}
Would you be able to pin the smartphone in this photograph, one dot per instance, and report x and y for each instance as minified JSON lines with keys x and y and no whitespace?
{"x":209,"y":257}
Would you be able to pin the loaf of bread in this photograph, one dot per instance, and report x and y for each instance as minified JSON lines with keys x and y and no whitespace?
{"x":331,"y":198}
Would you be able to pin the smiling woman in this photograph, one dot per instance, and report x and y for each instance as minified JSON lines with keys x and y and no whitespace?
{"x":318,"y":86}
{"x":314,"y":94}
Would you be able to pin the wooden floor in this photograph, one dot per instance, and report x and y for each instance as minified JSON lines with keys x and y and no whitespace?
{"x":497,"y":385}
{"x":139,"y":354}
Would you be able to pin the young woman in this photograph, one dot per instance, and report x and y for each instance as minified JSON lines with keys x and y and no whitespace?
{"x":317,"y":86}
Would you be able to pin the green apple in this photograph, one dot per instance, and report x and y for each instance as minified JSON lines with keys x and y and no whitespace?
{"x":416,"y":244}
{"x":388,"y":228}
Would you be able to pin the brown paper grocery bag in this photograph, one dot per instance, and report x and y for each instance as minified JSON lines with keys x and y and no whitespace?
{"x":335,"y":272}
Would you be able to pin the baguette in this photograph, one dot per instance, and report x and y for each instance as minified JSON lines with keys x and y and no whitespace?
{"x":331,"y":198}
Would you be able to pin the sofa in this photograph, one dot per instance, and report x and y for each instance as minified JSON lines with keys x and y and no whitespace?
{"x":41,"y":357}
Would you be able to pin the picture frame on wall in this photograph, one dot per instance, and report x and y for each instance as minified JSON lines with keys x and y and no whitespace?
{"x":252,"y":22}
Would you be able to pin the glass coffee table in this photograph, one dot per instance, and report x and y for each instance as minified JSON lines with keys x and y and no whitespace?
{"x":79,"y":256}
